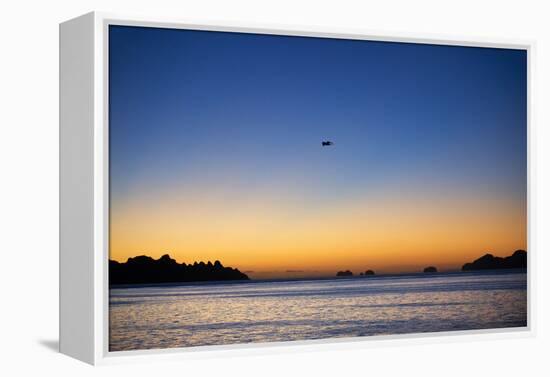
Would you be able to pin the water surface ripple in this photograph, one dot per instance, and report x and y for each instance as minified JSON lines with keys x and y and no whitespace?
{"x":196,"y":315}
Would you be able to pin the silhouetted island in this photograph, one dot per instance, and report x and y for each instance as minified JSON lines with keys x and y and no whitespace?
{"x":146,"y":270}
{"x":369,"y":272}
{"x":490,"y":262}
{"x":430,"y":269}
{"x":344,"y":273}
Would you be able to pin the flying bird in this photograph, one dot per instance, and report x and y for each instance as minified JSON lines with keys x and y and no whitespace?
{"x":326,"y":143}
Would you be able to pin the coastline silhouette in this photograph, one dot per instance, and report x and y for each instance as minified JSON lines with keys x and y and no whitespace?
{"x":146,"y":270}
{"x":489,"y":262}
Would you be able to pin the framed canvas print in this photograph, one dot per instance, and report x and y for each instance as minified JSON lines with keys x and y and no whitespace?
{"x":226,"y":187}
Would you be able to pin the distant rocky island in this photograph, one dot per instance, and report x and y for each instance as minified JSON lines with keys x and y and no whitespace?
{"x":344,"y":273}
{"x":146,"y":270}
{"x":489,"y":262}
{"x":518,"y":260}
{"x":349,"y":273}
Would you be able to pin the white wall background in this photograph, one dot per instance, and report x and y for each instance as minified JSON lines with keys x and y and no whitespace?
{"x":29,"y":183}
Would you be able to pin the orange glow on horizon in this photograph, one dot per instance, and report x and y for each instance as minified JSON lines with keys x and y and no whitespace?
{"x":269,"y":234}
{"x":272,"y":234}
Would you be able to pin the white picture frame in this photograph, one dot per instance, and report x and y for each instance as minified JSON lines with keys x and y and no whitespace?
{"x":84,"y":186}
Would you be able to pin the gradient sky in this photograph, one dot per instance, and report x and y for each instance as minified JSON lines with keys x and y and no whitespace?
{"x":215,"y":151}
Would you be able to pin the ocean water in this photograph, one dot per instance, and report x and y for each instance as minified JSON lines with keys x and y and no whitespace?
{"x":229,"y":313}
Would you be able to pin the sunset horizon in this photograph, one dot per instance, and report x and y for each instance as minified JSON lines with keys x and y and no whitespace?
{"x":427,"y":166}
{"x":294,"y":273}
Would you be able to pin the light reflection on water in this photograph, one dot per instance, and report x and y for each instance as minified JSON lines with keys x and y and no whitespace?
{"x":195,"y":315}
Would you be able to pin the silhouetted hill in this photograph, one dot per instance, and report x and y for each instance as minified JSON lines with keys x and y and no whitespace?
{"x":490,"y":262}
{"x":430,"y":269}
{"x":146,"y":270}
{"x":344,"y":273}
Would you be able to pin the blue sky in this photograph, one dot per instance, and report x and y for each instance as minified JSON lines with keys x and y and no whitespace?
{"x":182,"y":101}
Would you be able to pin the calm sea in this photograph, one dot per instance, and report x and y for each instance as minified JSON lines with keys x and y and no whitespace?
{"x":228,"y":313}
